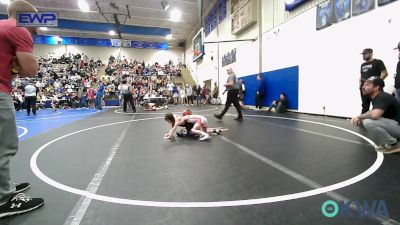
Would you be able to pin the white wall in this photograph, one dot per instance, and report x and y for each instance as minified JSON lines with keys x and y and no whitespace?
{"x":329,"y":60}
{"x":44,"y":50}
{"x":148,"y":55}
{"x":153,"y":55}
{"x":247,"y":53}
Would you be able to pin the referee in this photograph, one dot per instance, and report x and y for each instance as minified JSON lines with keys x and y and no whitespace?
{"x":233,"y":96}
{"x":126,"y":90}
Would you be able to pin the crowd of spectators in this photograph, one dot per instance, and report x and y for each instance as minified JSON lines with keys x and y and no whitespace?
{"x":69,"y":78}
{"x":73,"y":81}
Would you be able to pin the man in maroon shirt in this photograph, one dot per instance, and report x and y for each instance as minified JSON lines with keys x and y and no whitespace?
{"x":15,"y":58}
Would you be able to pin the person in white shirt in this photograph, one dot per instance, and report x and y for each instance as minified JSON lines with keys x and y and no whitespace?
{"x":57,"y":84}
{"x":182,"y":96}
{"x":39,"y":85}
{"x":30,"y":99}
{"x":170,"y":86}
{"x":54,"y":102}
{"x":189,"y":93}
{"x":42,"y":100}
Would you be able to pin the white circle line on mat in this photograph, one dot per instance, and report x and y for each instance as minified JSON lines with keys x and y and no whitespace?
{"x":151,"y":112}
{"x":375,"y":166}
{"x":24,"y":132}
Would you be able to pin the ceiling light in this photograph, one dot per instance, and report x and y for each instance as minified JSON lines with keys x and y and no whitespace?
{"x":165,"y":4}
{"x":43,"y":28}
{"x":83,"y":5}
{"x":176,"y":15}
{"x":5,"y":2}
{"x":169,"y":36}
{"x":111,"y":32}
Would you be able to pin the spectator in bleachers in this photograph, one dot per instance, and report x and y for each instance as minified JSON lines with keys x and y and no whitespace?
{"x":197,"y":90}
{"x":80,"y":71}
{"x":17,"y":98}
{"x":54,"y":102}
{"x":175,"y":94}
{"x":99,"y":96}
{"x":82,"y":95}
{"x":205,"y":94}
{"x":42,"y":100}
{"x":90,"y":97}
{"x":182,"y":95}
{"x":215,"y":94}
{"x":189,"y":94}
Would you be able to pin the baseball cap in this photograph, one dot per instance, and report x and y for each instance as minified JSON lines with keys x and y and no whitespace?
{"x":398,"y":46}
{"x":376,"y":81}
{"x":367,"y":50}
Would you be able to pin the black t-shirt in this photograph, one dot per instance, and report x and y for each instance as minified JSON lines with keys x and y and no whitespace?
{"x":397,"y":79}
{"x":284,"y":105}
{"x":372,"y":69}
{"x":389,"y":104}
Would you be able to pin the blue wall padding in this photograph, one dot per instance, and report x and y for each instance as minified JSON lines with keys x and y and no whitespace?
{"x":283,"y":80}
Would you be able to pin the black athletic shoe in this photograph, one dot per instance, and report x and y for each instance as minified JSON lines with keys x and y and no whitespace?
{"x":218,"y":116}
{"x":240,"y":119}
{"x":20,"y":203}
{"x":21,"y":187}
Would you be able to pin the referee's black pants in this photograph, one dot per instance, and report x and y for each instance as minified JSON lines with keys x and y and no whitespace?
{"x":30,"y":104}
{"x":233,"y":97}
{"x":129,"y":98}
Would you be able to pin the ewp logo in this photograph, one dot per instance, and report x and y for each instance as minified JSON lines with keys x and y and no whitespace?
{"x":362,"y":209}
{"x":40,"y":19}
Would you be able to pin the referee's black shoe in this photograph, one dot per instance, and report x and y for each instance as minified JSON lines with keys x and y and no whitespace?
{"x":218,"y":116}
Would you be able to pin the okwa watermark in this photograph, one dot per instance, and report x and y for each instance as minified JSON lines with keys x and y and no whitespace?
{"x":352,"y":209}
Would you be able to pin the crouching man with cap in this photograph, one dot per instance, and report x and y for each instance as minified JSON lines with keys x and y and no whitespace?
{"x":383,"y":120}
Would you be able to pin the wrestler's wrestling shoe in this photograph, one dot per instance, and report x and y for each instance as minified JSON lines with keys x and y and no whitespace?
{"x":205,"y":137}
{"x":181,"y":133}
